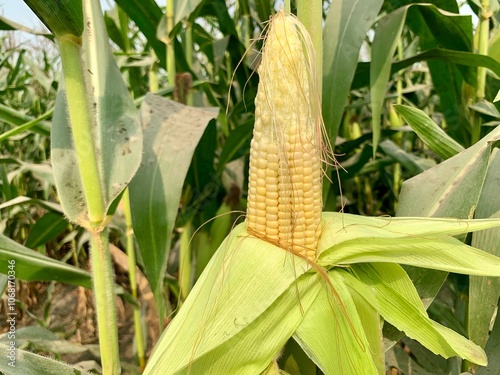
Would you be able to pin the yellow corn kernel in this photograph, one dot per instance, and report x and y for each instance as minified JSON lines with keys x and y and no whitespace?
{"x":285,"y":155}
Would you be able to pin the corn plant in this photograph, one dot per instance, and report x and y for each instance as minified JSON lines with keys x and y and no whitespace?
{"x":271,"y":279}
{"x":291,"y":289}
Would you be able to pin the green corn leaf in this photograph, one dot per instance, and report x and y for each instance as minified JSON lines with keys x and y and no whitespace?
{"x":33,"y":266}
{"x":451,"y":188}
{"x":486,"y":108}
{"x":60,"y":18}
{"x":27,"y":363}
{"x":116,"y":133}
{"x":362,"y":75}
{"x":484,"y":292}
{"x":22,"y":200}
{"x":24,"y":122}
{"x":171,"y":133}
{"x":493,"y":352}
{"x":183,"y":8}
{"x":429,"y":132}
{"x":42,"y":339}
{"x":236,"y":144}
{"x":332,"y":334}
{"x":146,"y":14}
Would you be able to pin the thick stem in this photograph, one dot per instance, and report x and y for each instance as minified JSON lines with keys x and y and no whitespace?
{"x":154,"y":86}
{"x":310,"y":13}
{"x":103,"y":279}
{"x":170,"y":44}
{"x":139,"y":334}
{"x":81,"y":125}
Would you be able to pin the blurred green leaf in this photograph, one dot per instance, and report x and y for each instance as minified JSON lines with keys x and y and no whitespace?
{"x":264,"y":9}
{"x":27,"y":363}
{"x":345,"y":29}
{"x":429,"y":132}
{"x":362,"y":76}
{"x":293,"y":360}
{"x":14,"y":117}
{"x":32,"y":266}
{"x":42,"y":339}
{"x":6,"y":24}
{"x":146,"y":14}
{"x":454,"y":32}
{"x":236,"y":145}
{"x":486,"y":108}
{"x":493,"y":351}
{"x":47,"y":228}
{"x":384,"y":44}
{"x":450,"y":30}
{"x":407,"y":160}
{"x":184,"y":8}
{"x":22,"y":200}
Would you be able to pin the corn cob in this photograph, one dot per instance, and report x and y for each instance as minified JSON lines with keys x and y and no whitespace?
{"x":284,"y":193}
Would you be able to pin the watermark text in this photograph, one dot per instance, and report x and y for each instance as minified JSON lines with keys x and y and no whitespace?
{"x":11,"y":313}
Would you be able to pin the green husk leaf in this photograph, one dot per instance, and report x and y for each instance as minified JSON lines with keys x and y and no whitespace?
{"x":332,"y":334}
{"x":409,"y":317}
{"x":340,"y":227}
{"x":372,"y":325}
{"x":243,"y":288}
{"x":435,"y":252}
{"x":271,"y":330}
